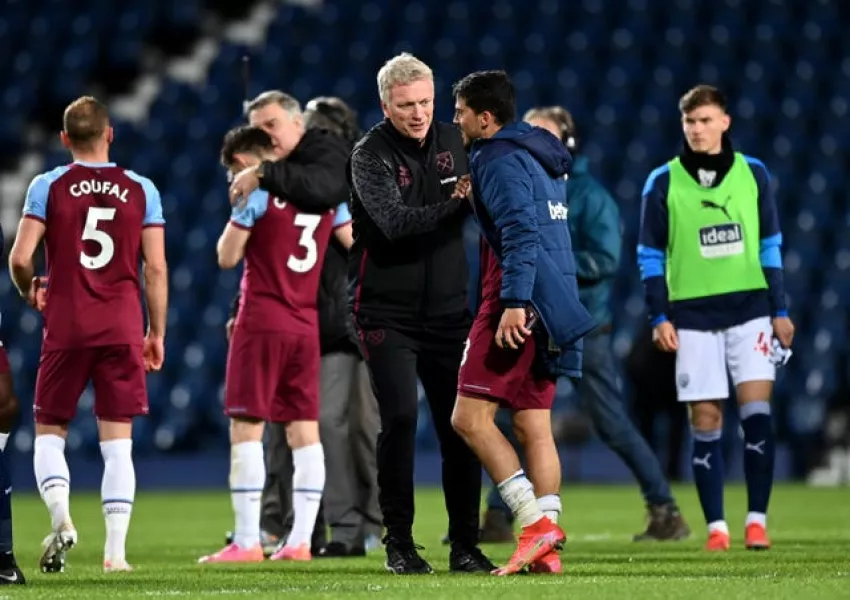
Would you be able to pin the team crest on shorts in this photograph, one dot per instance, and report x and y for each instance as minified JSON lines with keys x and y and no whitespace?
{"x":684,"y":380}
{"x":375,"y":337}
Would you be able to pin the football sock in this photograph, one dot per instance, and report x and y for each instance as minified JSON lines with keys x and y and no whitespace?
{"x":52,"y":477}
{"x":518,"y":494}
{"x":247,"y":476}
{"x":550,"y":506}
{"x":759,"y":457}
{"x":707,"y":465}
{"x":117,"y":493}
{"x":5,"y":506}
{"x":308,"y":484}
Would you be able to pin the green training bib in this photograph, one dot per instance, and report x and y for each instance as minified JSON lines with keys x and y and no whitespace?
{"x":713,"y":243}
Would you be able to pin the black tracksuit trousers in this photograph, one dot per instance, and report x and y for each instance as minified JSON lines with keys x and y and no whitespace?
{"x":395,"y":358}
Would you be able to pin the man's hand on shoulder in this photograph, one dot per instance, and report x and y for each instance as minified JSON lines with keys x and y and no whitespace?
{"x":245,"y":182}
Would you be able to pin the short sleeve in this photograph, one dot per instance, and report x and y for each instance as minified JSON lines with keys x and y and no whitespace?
{"x":153,"y":201}
{"x":246,"y":215}
{"x":35,"y":204}
{"x":153,"y":205}
{"x":342,"y":216}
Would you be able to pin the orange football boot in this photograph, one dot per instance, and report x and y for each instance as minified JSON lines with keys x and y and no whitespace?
{"x":536,"y":541}
{"x":717,"y":541}
{"x":299,"y":553}
{"x":756,"y":537}
{"x":551,"y":563}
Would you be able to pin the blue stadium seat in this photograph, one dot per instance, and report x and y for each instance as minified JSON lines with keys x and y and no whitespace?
{"x":619,"y":66}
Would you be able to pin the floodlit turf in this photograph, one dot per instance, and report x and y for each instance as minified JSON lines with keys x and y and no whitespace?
{"x":810,"y":558}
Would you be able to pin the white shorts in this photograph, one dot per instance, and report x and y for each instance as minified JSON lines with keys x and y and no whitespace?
{"x":704,"y":356}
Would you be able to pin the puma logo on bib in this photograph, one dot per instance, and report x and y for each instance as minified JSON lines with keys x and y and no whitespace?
{"x":718,"y":241}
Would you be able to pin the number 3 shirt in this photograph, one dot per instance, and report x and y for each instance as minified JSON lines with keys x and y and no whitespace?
{"x":94,"y":214}
{"x":283,"y":263}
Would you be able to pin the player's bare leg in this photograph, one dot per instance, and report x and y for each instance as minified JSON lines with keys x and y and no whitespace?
{"x":54,"y":483}
{"x":117,"y":491}
{"x":308,"y":484}
{"x":759,"y":457}
{"x":9,"y":571}
{"x":534,"y":432}
{"x":707,"y":464}
{"x":247,"y":476}
{"x":474,"y":420}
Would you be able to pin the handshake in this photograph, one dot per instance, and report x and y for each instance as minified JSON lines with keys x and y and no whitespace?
{"x":463,"y":188}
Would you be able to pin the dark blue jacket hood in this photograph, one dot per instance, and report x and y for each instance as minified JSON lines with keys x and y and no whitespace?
{"x":541,"y":144}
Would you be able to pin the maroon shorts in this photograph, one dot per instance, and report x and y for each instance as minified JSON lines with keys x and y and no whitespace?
{"x":117,"y":374}
{"x":514,"y":378}
{"x":272,"y":377}
{"x":4,"y":361}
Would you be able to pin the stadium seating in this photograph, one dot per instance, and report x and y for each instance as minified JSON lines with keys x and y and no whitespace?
{"x":619,"y":65}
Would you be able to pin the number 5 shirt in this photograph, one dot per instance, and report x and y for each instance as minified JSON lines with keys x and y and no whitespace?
{"x":94,"y":214}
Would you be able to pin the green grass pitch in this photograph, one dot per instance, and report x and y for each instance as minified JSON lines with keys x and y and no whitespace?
{"x":810,"y":559}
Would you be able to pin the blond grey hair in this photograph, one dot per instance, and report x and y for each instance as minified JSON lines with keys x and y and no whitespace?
{"x":559,"y":115}
{"x":286,"y":102}
{"x":403,"y":69}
